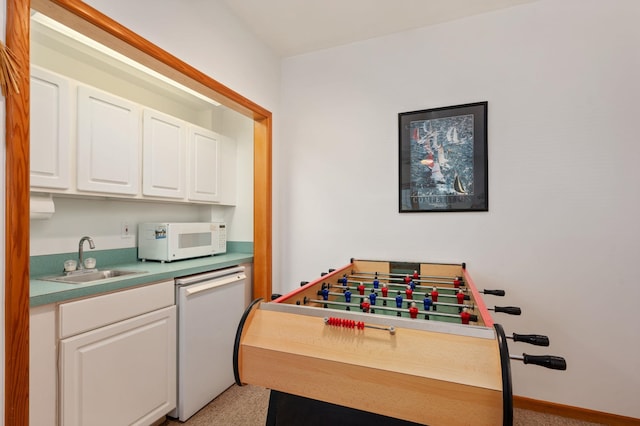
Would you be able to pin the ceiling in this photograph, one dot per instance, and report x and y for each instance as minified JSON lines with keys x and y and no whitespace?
{"x":292,"y":27}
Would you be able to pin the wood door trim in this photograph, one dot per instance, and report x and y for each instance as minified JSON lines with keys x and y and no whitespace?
{"x":84,"y":18}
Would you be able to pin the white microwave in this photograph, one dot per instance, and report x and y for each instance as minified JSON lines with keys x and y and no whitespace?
{"x":168,"y":241}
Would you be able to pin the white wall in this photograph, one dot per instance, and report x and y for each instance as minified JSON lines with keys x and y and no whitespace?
{"x":206,"y":35}
{"x":561,"y":235}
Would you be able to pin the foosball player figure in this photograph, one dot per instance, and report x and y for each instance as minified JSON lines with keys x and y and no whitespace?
{"x":364,"y":305}
{"x":343,"y":280}
{"x":434,"y":297}
{"x":412,"y":284}
{"x":427,"y":305}
{"x":325,"y":292}
{"x":399,"y":302}
{"x":372,"y":299}
{"x":415,"y":275}
{"x":385,"y":291}
{"x":361,"y":289}
{"x":376,"y":282}
{"x":457,"y":281}
{"x":409,"y":292}
{"x":460,"y":297}
{"x":407,"y":278}
{"x":347,"y":297}
{"x":413,"y":311}
{"x":465,"y":316}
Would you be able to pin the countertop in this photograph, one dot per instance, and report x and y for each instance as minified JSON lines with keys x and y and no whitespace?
{"x":45,"y":292}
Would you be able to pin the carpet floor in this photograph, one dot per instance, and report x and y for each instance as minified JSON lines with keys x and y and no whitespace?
{"x":247,"y":406}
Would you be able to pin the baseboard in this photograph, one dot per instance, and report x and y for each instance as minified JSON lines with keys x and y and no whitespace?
{"x":573,"y":412}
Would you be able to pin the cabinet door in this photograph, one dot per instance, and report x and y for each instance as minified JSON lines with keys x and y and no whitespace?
{"x":49,"y":130}
{"x":227,"y":165}
{"x":203,"y":165}
{"x":164,"y":146}
{"x":108,"y":143}
{"x":121,"y":374}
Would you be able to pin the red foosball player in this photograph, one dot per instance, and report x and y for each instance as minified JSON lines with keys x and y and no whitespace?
{"x":361,"y":289}
{"x":415,"y":275}
{"x":460,"y":297}
{"x":407,"y":279}
{"x":409,"y":292}
{"x":365,"y":305}
{"x":413,"y":311}
{"x":384,"y":289}
{"x":457,"y":282}
{"x":434,"y":297}
{"x":465,"y":316}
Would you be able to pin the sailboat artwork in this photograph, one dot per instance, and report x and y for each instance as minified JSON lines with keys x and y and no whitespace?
{"x":441,"y":160}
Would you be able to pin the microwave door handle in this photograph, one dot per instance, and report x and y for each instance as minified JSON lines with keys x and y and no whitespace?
{"x":199,"y":288}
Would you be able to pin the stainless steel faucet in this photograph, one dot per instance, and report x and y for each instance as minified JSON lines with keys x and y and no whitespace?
{"x":80,"y":252}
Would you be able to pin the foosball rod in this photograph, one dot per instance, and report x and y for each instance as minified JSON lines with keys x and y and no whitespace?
{"x":393,"y":299}
{"x":403,"y":285}
{"x":474,"y":318}
{"x":391,"y":274}
{"x":533,"y":339}
{"x":548,"y":361}
{"x":430,"y":281}
{"x":415,"y":293}
{"x":510,"y":310}
{"x":464,"y":289}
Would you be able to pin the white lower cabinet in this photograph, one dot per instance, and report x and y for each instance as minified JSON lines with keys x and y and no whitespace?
{"x":105,"y":360}
{"x":121,"y":374}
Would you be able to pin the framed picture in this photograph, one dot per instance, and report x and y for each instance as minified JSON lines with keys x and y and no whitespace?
{"x":443,"y":159}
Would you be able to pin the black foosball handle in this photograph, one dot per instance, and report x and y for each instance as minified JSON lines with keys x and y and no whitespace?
{"x":494,"y":292}
{"x":548,"y":361}
{"x":511,"y":310}
{"x":533,"y":339}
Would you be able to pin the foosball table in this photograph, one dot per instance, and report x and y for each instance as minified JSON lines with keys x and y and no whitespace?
{"x":385,"y":343}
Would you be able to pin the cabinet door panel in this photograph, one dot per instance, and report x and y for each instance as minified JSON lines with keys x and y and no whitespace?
{"x":49,"y":130}
{"x":124,"y":373}
{"x":164,"y":146}
{"x":108,"y":143}
{"x":203,"y":151}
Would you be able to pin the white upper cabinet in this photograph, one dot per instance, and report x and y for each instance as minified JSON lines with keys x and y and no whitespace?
{"x":108,"y":143}
{"x":49,"y":130}
{"x":164,"y":149}
{"x":203,"y":165}
{"x":227,"y":171}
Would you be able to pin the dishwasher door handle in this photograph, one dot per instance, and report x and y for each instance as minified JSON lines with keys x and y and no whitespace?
{"x":199,"y":288}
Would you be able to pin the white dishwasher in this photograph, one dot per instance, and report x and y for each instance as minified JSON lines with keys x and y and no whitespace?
{"x":210,"y":306}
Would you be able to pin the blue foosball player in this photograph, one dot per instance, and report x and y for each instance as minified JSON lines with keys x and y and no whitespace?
{"x":399,"y":302}
{"x":376,"y":283}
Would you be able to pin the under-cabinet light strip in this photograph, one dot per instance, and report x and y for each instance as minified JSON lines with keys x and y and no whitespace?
{"x":62,"y":29}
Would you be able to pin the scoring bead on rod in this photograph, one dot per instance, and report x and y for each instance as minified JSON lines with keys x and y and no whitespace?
{"x":358,"y":325}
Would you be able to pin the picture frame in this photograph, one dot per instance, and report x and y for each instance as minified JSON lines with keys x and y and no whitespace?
{"x":443,"y":159}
